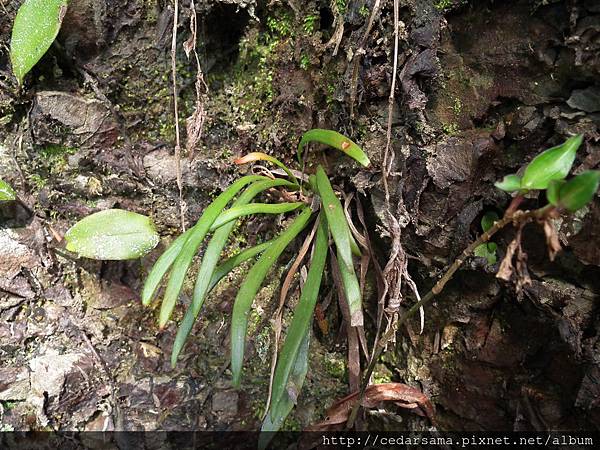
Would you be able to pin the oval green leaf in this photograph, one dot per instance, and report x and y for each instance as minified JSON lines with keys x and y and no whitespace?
{"x":7,"y":193}
{"x":488,"y":220}
{"x":113,"y":234}
{"x":552,"y":164}
{"x":553,"y":191}
{"x":336,"y":140}
{"x":509,"y":183}
{"x":579,"y":191}
{"x":36,"y":26}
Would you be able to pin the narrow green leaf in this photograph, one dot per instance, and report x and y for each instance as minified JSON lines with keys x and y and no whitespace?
{"x":161,"y":266}
{"x":300,"y":324}
{"x":250,"y":287}
{"x":231,"y":263}
{"x":579,"y":191}
{"x":113,"y":234}
{"x":260,"y":156}
{"x":274,"y":420}
{"x":211,"y":257}
{"x":509,"y":183}
{"x":552,"y":164}
{"x":341,"y":236}
{"x":36,"y":26}
{"x":336,"y":140}
{"x":251,"y":209}
{"x":7,"y":193}
{"x":553,"y":191}
{"x":488,"y":220}
{"x":197,"y":233}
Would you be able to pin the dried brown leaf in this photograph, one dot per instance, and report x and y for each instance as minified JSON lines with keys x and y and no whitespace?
{"x":552,"y":240}
{"x":400,"y":394}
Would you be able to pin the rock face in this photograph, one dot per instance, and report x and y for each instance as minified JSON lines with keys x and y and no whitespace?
{"x":481,"y":87}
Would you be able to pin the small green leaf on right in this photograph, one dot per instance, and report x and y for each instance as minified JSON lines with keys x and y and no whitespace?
{"x":579,"y":191}
{"x":509,"y":183}
{"x":487,"y":251}
{"x":7,"y":193}
{"x":552,"y":164}
{"x":488,"y":220}
{"x":36,"y":26}
{"x":553,"y":191}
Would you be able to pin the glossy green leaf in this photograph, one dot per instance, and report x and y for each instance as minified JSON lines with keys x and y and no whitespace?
{"x":212,"y":254}
{"x":113,"y":234}
{"x":278,"y":413}
{"x":553,"y":191}
{"x":36,"y":26}
{"x":509,"y":183}
{"x":487,"y":251}
{"x":341,"y":236}
{"x":579,"y":191}
{"x":250,"y":287}
{"x":184,"y":258}
{"x":253,"y":208}
{"x":336,"y":140}
{"x":552,"y":164}
{"x":7,"y":193}
{"x":300,"y":324}
{"x":488,"y":220}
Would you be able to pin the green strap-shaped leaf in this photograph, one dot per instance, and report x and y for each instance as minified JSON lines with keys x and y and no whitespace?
{"x":197,"y":233}
{"x":336,"y":140}
{"x":253,"y":208}
{"x":211,"y":257}
{"x":250,"y":287}
{"x":231,"y":263}
{"x":552,"y":164}
{"x":579,"y":191}
{"x":341,"y":236}
{"x":300,"y":324}
{"x":275,"y":419}
{"x":36,"y":26}
{"x":161,"y":266}
{"x":113,"y":234}
{"x":7,"y":193}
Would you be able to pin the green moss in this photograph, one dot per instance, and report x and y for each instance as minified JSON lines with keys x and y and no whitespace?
{"x":363,"y":11}
{"x":335,"y":365}
{"x":304,"y":62}
{"x":443,"y":5}
{"x":451,"y":129}
{"x":310,"y":23}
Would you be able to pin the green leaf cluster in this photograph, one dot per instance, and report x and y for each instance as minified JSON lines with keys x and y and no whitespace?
{"x":549,"y":170}
{"x":218,"y":219}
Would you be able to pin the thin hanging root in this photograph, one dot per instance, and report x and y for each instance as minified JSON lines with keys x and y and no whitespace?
{"x":176,"y":113}
{"x":360,"y":51}
{"x":388,"y":155}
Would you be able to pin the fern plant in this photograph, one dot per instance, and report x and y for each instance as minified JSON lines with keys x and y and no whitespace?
{"x":316,"y":201}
